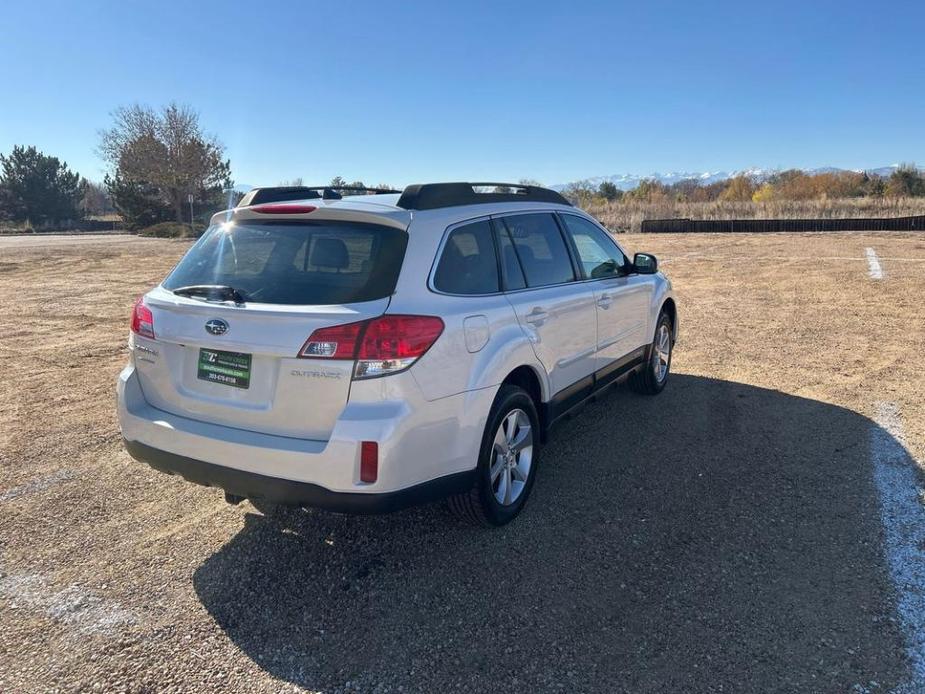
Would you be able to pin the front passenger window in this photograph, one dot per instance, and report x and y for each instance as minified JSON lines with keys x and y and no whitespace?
{"x":598,"y":254}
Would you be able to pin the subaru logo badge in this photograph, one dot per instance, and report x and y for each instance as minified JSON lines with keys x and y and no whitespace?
{"x":216,"y":326}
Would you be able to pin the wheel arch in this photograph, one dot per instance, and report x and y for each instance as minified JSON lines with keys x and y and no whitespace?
{"x":669,"y":307}
{"x":527,"y":378}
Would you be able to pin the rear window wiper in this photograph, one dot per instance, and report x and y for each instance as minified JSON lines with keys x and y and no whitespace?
{"x":211,"y":292}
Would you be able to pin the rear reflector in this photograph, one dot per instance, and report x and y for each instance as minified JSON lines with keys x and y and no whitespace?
{"x":283,"y":209}
{"x":369,"y":461}
{"x":142,"y":319}
{"x":381,"y":346}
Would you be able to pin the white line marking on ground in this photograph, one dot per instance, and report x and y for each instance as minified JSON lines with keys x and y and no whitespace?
{"x":74,"y":606}
{"x":903,"y":516}
{"x":873,"y":264}
{"x":38,"y":485}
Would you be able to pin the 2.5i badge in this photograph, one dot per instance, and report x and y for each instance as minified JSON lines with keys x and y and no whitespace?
{"x":228,"y":368}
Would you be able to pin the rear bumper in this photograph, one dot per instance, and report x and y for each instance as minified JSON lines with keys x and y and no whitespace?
{"x":292,"y":493}
{"x":427,"y":449}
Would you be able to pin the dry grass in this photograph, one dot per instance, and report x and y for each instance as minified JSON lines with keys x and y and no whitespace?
{"x":627,"y":216}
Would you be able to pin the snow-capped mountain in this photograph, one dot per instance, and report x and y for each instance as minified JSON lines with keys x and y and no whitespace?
{"x":885,"y":171}
{"x":630,"y":181}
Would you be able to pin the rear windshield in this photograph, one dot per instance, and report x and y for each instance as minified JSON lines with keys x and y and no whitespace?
{"x":281,"y":262}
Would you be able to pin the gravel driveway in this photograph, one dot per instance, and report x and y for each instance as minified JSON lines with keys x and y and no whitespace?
{"x":724,"y":536}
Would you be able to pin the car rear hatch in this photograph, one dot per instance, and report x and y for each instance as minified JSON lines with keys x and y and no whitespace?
{"x":232,"y":358}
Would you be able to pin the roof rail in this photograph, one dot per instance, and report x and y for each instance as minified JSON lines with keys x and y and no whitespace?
{"x":431,"y":196}
{"x":259,"y":196}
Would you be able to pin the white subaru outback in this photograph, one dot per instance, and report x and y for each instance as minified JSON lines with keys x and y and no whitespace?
{"x":363,"y":353}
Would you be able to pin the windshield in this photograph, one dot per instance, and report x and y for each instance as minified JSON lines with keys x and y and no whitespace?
{"x":283,"y":262}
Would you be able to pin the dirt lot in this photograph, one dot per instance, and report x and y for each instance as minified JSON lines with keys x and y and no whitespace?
{"x":743,"y":531}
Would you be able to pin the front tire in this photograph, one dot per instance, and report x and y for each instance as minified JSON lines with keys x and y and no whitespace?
{"x":651,"y":377}
{"x":507,"y":462}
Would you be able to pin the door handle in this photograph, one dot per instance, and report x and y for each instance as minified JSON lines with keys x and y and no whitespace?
{"x":605,"y":300}
{"x":537,"y":316}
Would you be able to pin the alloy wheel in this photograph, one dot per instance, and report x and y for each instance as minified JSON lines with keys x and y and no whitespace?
{"x":661,"y":355}
{"x":511,"y":457}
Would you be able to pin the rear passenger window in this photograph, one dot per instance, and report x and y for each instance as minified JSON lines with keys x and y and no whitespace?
{"x":540,"y":249}
{"x":468,"y":264}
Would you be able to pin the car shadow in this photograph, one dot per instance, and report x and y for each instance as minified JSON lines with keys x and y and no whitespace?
{"x":717,"y":537}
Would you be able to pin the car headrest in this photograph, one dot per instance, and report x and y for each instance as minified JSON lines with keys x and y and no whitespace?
{"x":330,"y":253}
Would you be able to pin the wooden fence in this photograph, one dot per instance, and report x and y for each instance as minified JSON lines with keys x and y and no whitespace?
{"x":751,"y":226}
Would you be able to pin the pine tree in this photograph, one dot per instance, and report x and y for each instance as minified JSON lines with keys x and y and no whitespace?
{"x":37,"y":187}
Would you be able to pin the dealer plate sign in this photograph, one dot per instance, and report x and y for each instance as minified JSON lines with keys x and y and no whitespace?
{"x":227,"y":368}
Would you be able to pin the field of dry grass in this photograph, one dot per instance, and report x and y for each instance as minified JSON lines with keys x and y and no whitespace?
{"x":724,"y":535}
{"x":626,"y":216}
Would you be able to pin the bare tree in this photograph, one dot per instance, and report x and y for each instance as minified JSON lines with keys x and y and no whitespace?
{"x":94,"y":198}
{"x":166,"y":149}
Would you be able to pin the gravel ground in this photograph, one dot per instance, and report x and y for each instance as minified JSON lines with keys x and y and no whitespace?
{"x":724,"y":536}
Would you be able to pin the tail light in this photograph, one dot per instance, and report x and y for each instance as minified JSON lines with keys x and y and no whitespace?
{"x":142,"y":319}
{"x":380,"y":346}
{"x":337,"y":342}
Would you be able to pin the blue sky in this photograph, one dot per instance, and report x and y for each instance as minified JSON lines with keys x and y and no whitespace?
{"x":390,"y":92}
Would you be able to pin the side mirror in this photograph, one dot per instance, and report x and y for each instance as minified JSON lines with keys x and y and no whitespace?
{"x":645,"y":263}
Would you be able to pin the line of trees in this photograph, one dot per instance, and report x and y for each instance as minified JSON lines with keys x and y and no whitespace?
{"x":159,"y":161}
{"x":164,"y":167}
{"x":906,"y":181}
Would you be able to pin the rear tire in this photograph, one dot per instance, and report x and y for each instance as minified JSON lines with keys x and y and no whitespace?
{"x":507,"y":463}
{"x":651,"y":377}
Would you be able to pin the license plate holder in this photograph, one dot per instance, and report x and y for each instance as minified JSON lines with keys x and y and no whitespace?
{"x":227,"y":368}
